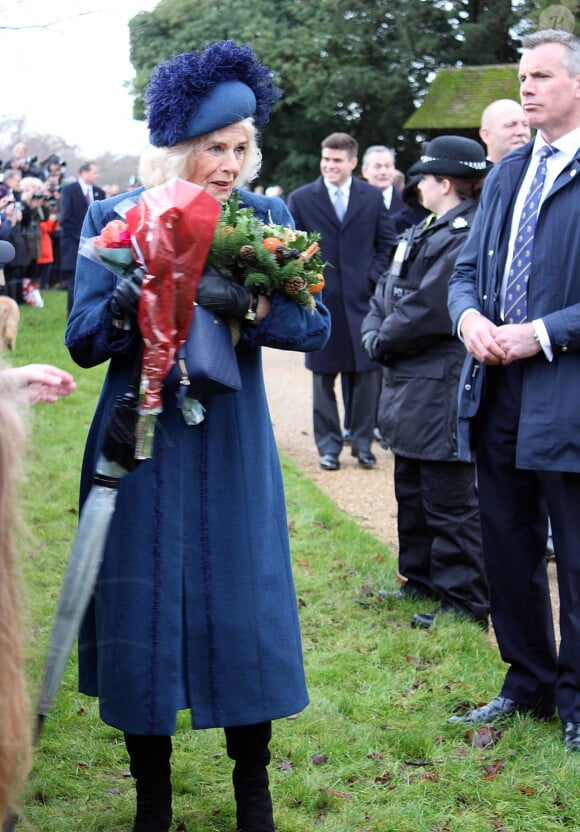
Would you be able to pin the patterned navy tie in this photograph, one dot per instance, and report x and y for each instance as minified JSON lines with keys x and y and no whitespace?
{"x":516,"y":298}
{"x":339,"y":204}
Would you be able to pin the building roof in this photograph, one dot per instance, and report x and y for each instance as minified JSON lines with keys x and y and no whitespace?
{"x":458,"y":95}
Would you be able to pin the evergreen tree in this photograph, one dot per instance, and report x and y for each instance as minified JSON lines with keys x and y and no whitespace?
{"x":355,"y":66}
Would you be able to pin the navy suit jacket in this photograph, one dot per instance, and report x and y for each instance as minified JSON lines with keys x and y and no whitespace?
{"x":358,"y":252}
{"x":73,"y":207}
{"x":397,"y":203}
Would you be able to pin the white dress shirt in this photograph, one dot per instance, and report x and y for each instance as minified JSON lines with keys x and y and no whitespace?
{"x":345,"y":188}
{"x":567,"y":146}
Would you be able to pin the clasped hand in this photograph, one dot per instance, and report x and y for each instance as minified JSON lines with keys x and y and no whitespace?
{"x":493,"y":344}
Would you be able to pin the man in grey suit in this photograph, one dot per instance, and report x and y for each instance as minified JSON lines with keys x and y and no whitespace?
{"x":357,"y":238}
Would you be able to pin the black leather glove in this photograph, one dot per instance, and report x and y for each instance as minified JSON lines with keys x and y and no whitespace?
{"x":223,"y":296}
{"x":125,"y":298}
{"x":369,"y":343}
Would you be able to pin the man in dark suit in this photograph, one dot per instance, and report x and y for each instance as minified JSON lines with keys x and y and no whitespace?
{"x":378,"y":168}
{"x":74,"y":202}
{"x":515,"y":301}
{"x":357,"y":247}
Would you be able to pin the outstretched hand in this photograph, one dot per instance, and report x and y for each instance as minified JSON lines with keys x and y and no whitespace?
{"x":39,"y":382}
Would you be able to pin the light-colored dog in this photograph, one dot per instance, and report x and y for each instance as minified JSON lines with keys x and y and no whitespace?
{"x":9,"y":318}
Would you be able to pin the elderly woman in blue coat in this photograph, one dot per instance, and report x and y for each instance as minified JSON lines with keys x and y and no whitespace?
{"x":195,"y":606}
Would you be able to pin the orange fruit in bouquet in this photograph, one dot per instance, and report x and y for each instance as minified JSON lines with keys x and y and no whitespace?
{"x":315,"y":288}
{"x":272,"y":244}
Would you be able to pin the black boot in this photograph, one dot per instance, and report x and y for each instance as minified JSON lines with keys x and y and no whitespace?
{"x":248,"y":747}
{"x":150,"y":766}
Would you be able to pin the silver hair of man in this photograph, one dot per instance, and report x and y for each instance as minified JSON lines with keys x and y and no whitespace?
{"x":377,"y":148}
{"x":571,"y":55}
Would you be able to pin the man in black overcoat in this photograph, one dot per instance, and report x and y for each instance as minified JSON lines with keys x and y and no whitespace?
{"x":357,"y":248}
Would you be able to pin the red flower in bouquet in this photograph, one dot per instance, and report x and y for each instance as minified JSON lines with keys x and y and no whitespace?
{"x":115,"y":234}
{"x":112,"y":248}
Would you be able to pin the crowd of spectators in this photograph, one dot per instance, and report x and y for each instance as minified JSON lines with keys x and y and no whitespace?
{"x":29,"y":219}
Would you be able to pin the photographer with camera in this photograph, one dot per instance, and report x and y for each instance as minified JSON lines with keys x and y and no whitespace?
{"x":48,"y":220}
{"x":53,"y":169}
{"x":31,"y":196}
{"x":22,"y":161}
{"x":12,"y":231}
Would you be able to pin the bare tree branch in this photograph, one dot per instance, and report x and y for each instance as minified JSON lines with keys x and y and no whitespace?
{"x":3,"y":27}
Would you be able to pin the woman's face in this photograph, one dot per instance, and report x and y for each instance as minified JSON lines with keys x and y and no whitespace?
{"x":431,"y":192}
{"x":218,"y":159}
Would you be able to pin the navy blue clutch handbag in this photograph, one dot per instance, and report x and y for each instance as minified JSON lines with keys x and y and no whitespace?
{"x":206,"y":365}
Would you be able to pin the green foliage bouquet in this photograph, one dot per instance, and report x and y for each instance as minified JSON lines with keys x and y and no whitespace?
{"x":266,"y":258}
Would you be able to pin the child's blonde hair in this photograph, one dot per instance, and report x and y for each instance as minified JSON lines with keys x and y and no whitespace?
{"x":15,"y":723}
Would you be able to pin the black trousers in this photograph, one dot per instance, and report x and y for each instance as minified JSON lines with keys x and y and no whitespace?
{"x":514,"y":514}
{"x":440,"y":548}
{"x":364,"y":391}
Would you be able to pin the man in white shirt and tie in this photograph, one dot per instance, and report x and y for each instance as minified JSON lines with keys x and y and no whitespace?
{"x":357,"y":237}
{"x":519,"y":397}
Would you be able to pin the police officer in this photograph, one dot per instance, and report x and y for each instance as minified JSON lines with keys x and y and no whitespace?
{"x":408,"y":331}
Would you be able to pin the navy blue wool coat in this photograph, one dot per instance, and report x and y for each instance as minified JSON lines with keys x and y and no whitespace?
{"x":195,"y":606}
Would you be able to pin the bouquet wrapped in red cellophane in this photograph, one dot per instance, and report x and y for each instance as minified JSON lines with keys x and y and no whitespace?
{"x":168,"y":233}
{"x":171,"y":229}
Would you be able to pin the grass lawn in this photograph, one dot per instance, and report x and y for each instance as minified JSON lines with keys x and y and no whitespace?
{"x":374,"y":751}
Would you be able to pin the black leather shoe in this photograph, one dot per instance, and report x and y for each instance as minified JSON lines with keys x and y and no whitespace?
{"x":395,"y":594}
{"x":572,"y":736}
{"x":329,"y":462}
{"x":504,"y":706}
{"x":423,"y":620}
{"x":365,"y":458}
{"x":498,"y":707}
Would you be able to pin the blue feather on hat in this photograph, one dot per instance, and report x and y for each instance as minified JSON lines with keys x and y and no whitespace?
{"x":198,"y":92}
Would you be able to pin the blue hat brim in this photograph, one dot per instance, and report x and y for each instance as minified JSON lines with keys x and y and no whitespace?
{"x":228,"y":103}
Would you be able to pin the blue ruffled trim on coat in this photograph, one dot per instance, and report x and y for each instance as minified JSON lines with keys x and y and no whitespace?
{"x":287,"y":326}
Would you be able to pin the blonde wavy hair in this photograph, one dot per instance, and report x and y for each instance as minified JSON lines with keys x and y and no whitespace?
{"x":160,"y":164}
{"x":15,"y":721}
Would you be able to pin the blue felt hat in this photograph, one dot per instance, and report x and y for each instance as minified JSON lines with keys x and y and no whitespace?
{"x":195,"y":93}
